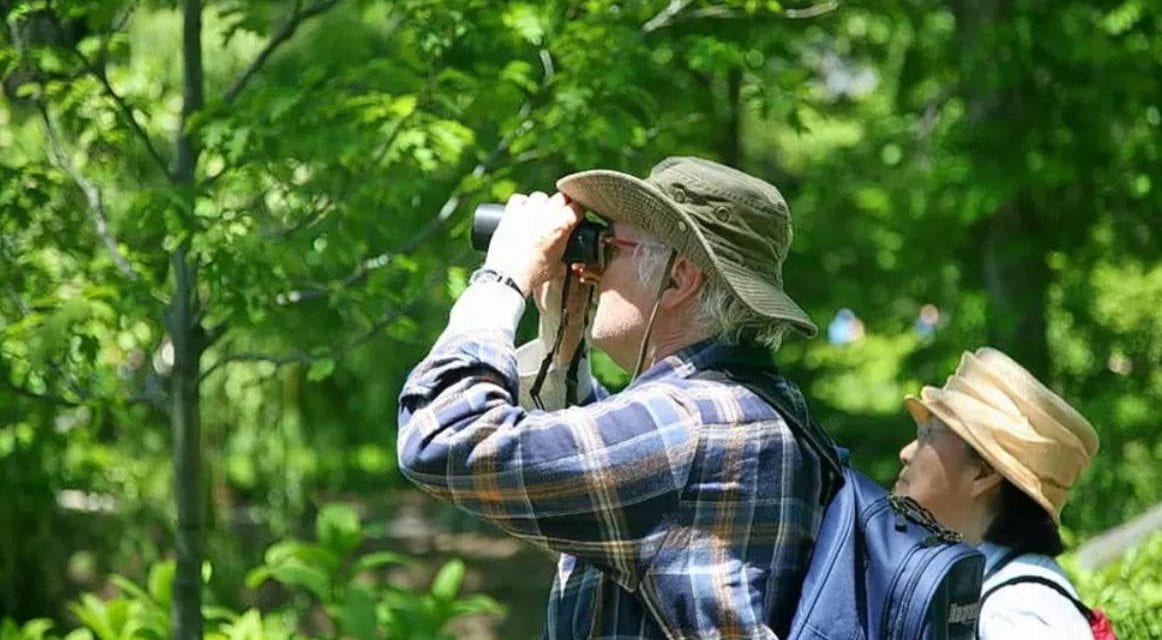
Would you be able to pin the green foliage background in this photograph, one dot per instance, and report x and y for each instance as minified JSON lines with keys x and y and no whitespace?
{"x":997,"y":159}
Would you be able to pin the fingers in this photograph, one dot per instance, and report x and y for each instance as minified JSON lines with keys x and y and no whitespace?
{"x":587,"y":274}
{"x":515,"y":202}
{"x":540,"y":202}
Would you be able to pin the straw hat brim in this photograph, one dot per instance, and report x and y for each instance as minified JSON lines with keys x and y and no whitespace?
{"x":626,"y":198}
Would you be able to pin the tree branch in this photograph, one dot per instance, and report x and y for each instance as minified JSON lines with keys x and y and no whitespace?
{"x":813,"y":11}
{"x":92,"y":195}
{"x":367,"y":266}
{"x":671,"y":13}
{"x":1111,"y":544}
{"x":296,"y":19}
{"x":665,"y":16}
{"x":36,"y":395}
{"x":302,"y":357}
{"x":125,"y":110}
{"x":98,"y":72}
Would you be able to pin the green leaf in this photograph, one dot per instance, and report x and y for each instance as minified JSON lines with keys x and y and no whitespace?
{"x":321,"y":370}
{"x":129,"y":588}
{"x":296,"y":551}
{"x":34,"y":629}
{"x":519,"y":73}
{"x":446,"y":584}
{"x":160,"y":582}
{"x":526,"y":21}
{"x":9,"y":630}
{"x":377,"y":559}
{"x":214,"y":613}
{"x":457,"y":281}
{"x":300,"y":575}
{"x":357,"y":615}
{"x":256,"y":576}
{"x":476,"y":604}
{"x":339,"y":529}
{"x":404,"y":106}
{"x":79,"y":634}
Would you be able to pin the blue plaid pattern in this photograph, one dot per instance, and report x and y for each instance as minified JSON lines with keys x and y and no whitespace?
{"x":682,"y":508}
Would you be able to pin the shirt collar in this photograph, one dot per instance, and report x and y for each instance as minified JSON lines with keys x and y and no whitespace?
{"x":993,"y":554}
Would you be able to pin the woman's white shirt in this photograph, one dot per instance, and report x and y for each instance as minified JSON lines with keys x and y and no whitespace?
{"x":1028,"y":611}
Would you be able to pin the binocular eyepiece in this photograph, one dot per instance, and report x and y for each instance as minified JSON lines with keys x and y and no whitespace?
{"x":583,"y":246}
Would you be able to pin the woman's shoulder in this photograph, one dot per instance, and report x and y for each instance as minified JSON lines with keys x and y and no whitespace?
{"x":1020,"y":603}
{"x":1026,"y":564}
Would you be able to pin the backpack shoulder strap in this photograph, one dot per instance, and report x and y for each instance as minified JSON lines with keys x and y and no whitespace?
{"x":1041,"y":580}
{"x":810,"y":435}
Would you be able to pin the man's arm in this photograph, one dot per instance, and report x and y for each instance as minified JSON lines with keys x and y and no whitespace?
{"x":585,"y":481}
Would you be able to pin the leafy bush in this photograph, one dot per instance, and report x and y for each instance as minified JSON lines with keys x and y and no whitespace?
{"x":1129,"y":591}
{"x":326,"y":575}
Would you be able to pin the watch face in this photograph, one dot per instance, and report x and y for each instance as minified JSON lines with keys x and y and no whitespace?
{"x":489,"y":275}
{"x":484,"y":276}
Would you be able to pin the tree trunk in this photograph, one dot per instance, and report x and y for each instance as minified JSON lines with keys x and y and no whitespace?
{"x":186,"y":332}
{"x":1012,"y":260}
{"x":730,"y":144}
{"x":187,"y":348}
{"x":1017,"y":280}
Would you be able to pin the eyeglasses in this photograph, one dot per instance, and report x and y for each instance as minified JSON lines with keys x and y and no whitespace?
{"x":609,"y":244}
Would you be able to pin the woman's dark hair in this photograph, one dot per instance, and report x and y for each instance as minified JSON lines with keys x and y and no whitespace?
{"x":1023,"y":525}
{"x":1020,"y":524}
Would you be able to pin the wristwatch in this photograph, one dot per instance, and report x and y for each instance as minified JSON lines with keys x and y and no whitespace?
{"x":485,"y":274}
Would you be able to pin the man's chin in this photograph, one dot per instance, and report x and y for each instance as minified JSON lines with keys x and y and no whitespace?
{"x":901,"y":487}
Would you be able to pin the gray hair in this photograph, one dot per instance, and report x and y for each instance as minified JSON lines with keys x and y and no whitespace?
{"x":720,"y":311}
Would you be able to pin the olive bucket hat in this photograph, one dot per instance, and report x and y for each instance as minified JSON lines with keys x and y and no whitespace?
{"x":732,"y":225}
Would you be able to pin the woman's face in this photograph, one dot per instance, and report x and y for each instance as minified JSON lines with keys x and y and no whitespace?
{"x":944,"y":475}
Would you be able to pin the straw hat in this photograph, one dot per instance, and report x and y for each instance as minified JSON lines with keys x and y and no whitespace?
{"x":729,"y":223}
{"x":1019,"y":426}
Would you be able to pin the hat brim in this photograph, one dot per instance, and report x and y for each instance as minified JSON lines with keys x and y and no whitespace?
{"x":622,"y":197}
{"x":926,"y":405}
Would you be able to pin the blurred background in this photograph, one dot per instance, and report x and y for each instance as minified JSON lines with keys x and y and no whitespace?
{"x":228,"y":228}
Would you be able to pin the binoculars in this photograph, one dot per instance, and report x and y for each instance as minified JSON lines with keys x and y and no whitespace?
{"x":584,"y":243}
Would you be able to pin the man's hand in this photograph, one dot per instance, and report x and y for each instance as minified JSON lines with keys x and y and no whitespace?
{"x":530,"y":240}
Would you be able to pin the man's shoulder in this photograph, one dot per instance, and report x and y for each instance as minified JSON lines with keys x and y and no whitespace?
{"x":716,"y":400}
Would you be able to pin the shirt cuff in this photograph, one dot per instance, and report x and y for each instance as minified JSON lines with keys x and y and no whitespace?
{"x":486,"y":305}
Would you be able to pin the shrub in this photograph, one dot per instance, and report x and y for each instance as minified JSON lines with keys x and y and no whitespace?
{"x":326,"y":576}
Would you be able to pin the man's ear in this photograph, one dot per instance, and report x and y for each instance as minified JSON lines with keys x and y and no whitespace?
{"x":686,"y":280}
{"x":985,"y":480}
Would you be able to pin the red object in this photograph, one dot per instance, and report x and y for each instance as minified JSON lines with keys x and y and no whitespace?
{"x":1100,"y":625}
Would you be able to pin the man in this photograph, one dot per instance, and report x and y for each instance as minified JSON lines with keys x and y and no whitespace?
{"x":682,"y":507}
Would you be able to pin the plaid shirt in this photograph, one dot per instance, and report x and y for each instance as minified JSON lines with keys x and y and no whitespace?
{"x":681,"y":508}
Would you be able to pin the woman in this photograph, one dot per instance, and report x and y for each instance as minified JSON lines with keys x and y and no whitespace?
{"x":994,"y":457}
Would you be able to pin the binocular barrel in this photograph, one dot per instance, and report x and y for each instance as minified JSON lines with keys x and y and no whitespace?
{"x":583,"y":246}
{"x":484,"y":222}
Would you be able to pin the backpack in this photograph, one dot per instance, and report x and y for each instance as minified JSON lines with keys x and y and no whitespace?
{"x":1099,"y":624}
{"x":882,"y":567}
